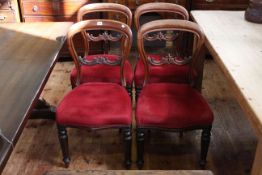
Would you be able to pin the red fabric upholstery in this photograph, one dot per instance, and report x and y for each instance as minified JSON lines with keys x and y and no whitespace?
{"x":163,"y":73}
{"x":170,"y":105}
{"x":102,"y":72}
{"x":95,"y":105}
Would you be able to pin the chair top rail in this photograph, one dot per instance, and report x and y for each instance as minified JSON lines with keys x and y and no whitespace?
{"x":105,"y":7}
{"x":159,"y":7}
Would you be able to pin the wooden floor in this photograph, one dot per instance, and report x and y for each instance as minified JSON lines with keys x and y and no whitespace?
{"x":231,"y":151}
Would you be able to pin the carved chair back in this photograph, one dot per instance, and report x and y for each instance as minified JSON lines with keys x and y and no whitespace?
{"x":124,"y":35}
{"x":159,"y":7}
{"x":169,"y":9}
{"x":102,"y":8}
{"x":155,"y":31}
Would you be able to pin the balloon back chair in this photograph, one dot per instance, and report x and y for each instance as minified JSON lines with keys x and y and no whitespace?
{"x":166,"y":106}
{"x":163,"y":70}
{"x":103,"y":73}
{"x":97,"y":105}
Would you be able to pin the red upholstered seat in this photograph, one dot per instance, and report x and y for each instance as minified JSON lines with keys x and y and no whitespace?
{"x":163,"y":73}
{"x":169,"y":105}
{"x":102,"y":72}
{"x":95,"y":105}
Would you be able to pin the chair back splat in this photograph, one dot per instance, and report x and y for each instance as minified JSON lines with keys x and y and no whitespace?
{"x":163,"y":70}
{"x":107,"y":73}
{"x":158,"y":27}
{"x":102,"y":8}
{"x":124,"y":36}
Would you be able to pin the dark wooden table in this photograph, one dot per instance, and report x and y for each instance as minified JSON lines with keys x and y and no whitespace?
{"x":28,"y":52}
{"x":129,"y":172}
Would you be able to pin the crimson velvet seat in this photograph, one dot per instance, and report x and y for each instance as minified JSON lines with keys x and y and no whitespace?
{"x":95,"y":110}
{"x":97,"y":105}
{"x":103,"y":73}
{"x":169,"y":106}
{"x":165,"y":72}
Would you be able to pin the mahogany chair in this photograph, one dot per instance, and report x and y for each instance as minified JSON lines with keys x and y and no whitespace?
{"x":103,"y":73}
{"x":97,"y":105}
{"x":174,"y":107}
{"x":164,"y":70}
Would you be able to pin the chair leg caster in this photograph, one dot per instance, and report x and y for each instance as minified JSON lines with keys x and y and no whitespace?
{"x":63,"y":139}
{"x":202,"y":164}
{"x":138,"y":90}
{"x":140,"y":147}
{"x":67,"y":162}
{"x":140,"y":164}
{"x":128,"y":164}
{"x":127,"y":132}
{"x":205,"y":140}
{"x":181,"y":134}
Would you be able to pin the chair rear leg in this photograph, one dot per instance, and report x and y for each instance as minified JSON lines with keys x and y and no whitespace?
{"x":128,"y":143}
{"x":181,"y":134}
{"x":63,"y":139}
{"x":140,"y":147}
{"x":205,"y":140}
{"x":129,"y":90}
{"x":138,"y":90}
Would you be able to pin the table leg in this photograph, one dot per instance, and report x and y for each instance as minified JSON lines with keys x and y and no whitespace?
{"x":257,"y":165}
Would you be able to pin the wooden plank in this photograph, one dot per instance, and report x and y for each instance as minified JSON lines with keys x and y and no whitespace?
{"x":236,"y":46}
{"x":131,"y":172}
{"x":27,"y":55}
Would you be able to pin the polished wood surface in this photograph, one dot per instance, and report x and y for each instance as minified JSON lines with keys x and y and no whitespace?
{"x":31,"y":8}
{"x":28,"y":52}
{"x":236,"y":46}
{"x":132,"y":172}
